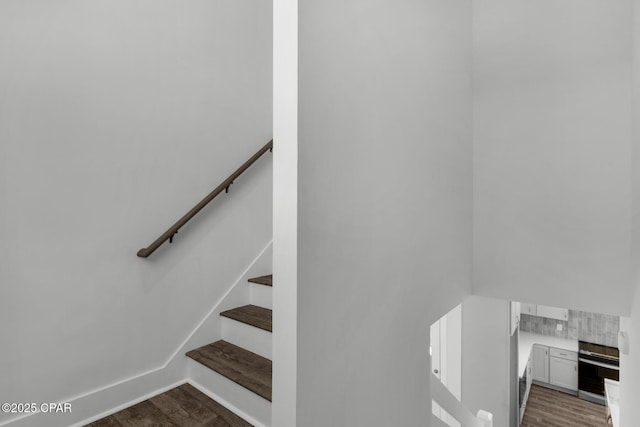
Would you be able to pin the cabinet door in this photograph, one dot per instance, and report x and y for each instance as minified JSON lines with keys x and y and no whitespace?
{"x":553,"y":312}
{"x":540,"y":363}
{"x":515,"y":316}
{"x":563,"y":373}
{"x":529,"y":376}
{"x":530,"y":309}
{"x":563,"y":354}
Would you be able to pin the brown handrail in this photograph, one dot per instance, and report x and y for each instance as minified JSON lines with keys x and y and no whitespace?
{"x":168,"y":235}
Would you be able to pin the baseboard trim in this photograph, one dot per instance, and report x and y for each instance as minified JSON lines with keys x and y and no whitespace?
{"x":226,"y":404}
{"x":128,"y":404}
{"x":105,"y":400}
{"x":118,"y":395}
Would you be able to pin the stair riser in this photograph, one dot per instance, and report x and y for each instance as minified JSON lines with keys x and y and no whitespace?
{"x":246,"y":336}
{"x":236,"y":398}
{"x":261,"y":295}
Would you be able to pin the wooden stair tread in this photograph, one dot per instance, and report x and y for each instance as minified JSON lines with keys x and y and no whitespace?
{"x":263,"y":280}
{"x":241,"y":366}
{"x":251,"y":315}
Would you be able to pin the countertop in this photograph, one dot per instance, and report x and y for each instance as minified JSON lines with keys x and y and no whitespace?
{"x":526,"y":340}
{"x":612,"y":391}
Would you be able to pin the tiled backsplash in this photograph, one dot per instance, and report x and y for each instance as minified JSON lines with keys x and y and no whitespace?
{"x":544,"y":326}
{"x":584,"y":326}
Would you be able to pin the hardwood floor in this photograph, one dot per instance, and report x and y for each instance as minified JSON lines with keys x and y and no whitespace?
{"x":183,"y":406}
{"x":551,"y":408}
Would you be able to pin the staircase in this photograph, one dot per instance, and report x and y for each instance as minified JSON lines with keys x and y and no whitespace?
{"x":237,"y":369}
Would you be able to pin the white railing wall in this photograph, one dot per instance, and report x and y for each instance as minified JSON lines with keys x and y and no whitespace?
{"x":437,"y":422}
{"x":447,"y":401}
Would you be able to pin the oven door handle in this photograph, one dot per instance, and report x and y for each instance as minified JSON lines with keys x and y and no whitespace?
{"x":602,"y":365}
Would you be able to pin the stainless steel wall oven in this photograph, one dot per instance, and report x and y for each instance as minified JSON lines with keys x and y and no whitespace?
{"x":595,"y":363}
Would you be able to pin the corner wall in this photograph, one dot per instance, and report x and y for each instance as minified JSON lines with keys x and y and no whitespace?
{"x":384,"y":202}
{"x":630,"y":367}
{"x":485,"y":357}
{"x":552,"y":147}
{"x":630,"y":363}
{"x":116,"y":118}
{"x":285,"y":212}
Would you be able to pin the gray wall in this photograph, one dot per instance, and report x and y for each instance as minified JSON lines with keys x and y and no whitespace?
{"x":384,"y":220}
{"x":630,"y":363}
{"x":552,"y":146}
{"x":514,"y":382}
{"x":485,"y":358}
{"x":116,"y":117}
{"x":584,"y":326}
{"x":630,"y":367}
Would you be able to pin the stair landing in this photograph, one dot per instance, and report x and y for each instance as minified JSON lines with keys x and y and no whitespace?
{"x":183,"y":406}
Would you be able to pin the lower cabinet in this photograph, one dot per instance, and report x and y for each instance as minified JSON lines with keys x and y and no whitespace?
{"x":555,"y":367}
{"x":540,"y":363}
{"x":551,"y":367}
{"x":528,"y":380}
{"x":563,"y":369}
{"x":529,"y":375}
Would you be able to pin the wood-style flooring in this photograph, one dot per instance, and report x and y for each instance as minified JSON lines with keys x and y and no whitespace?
{"x":253,"y":315}
{"x":263,"y":280}
{"x":551,"y":408}
{"x":183,"y":406}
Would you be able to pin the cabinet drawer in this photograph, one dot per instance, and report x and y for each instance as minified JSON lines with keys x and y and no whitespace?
{"x":563,"y":354}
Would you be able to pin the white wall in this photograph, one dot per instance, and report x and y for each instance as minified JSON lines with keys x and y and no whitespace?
{"x":630,"y":368}
{"x":454,"y":351}
{"x":384,"y":202}
{"x":552,"y":196}
{"x":630,"y":363}
{"x":116,"y":117}
{"x":485,"y":357}
{"x":285,"y":211}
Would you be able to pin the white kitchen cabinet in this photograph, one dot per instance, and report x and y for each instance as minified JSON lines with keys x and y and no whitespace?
{"x":540,"y":363}
{"x":527,"y":374}
{"x":563,"y":369}
{"x":515,"y":316}
{"x":530,"y":309}
{"x":552,"y":312}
